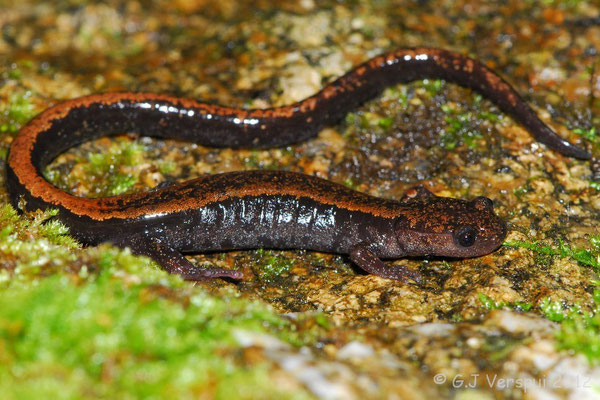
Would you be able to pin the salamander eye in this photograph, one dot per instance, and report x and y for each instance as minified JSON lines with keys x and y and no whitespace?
{"x":466,"y":236}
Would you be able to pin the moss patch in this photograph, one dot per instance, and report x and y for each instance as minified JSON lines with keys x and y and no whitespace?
{"x":112,"y":340}
{"x":587,"y":257}
{"x":579,"y":330}
{"x":16,"y":112}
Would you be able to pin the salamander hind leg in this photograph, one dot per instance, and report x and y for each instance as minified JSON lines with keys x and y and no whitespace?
{"x":173,"y":261}
{"x":364,"y":258}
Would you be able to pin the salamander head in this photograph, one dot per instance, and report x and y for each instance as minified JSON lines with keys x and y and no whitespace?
{"x":447,"y":227}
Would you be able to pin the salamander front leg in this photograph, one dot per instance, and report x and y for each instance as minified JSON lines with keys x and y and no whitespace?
{"x":173,"y":262}
{"x":364,"y":258}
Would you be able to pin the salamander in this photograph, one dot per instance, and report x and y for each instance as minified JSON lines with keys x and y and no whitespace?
{"x":267,"y":209}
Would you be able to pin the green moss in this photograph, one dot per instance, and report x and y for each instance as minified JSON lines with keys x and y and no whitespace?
{"x":35,"y":245}
{"x":21,"y":109}
{"x":31,"y":245}
{"x":433,"y":86}
{"x":488,"y":116}
{"x":394,"y":98}
{"x":121,"y":263}
{"x":16,"y":70}
{"x":108,"y":173}
{"x":588,"y":134}
{"x":350,"y":183}
{"x":385,"y":123}
{"x":369,"y":120}
{"x":252,"y":160}
{"x":579,"y":330}
{"x":491,"y":304}
{"x":553,"y":310}
{"x":457,"y":317}
{"x":16,"y":112}
{"x":375,"y":123}
{"x":166,"y":167}
{"x":270,"y":264}
{"x":460,"y":129}
{"x":257,"y":160}
{"x":15,"y":73}
{"x":488,"y":302}
{"x":398,"y":95}
{"x":107,"y":339}
{"x":587,"y":257}
{"x":520,"y":191}
{"x":109,"y":165}
{"x":323,"y":321}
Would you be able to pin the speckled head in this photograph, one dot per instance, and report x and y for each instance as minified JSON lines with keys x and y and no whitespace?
{"x":447,"y":227}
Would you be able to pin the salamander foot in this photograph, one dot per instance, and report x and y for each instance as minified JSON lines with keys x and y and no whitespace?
{"x":173,"y":261}
{"x":364,"y":258}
